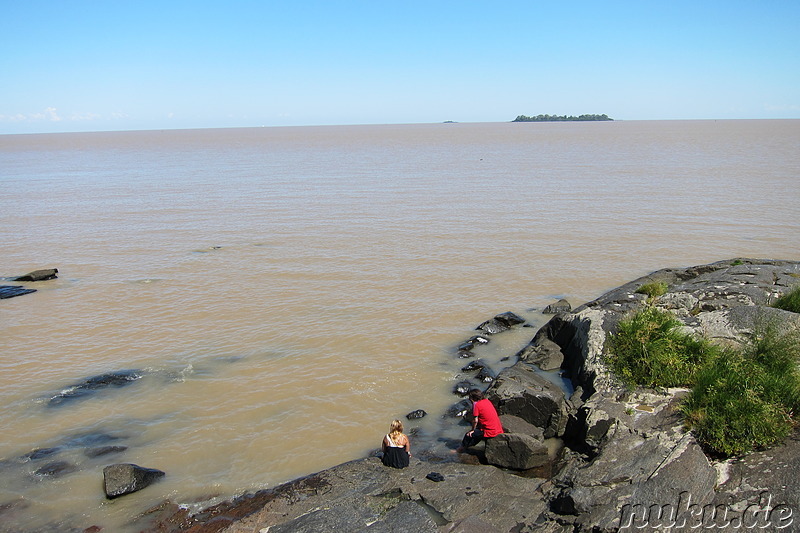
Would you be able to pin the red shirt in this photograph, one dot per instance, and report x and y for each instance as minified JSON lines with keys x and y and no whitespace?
{"x":488,"y":421}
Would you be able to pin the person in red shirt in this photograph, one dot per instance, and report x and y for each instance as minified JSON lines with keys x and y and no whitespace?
{"x":485,"y":422}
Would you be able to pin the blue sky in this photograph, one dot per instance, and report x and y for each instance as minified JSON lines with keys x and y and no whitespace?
{"x":68,"y":65}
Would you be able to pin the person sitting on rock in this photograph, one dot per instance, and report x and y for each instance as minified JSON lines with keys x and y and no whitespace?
{"x":485,"y":422}
{"x":396,"y":447}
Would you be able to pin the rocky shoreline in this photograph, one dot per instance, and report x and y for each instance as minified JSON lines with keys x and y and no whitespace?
{"x":627,"y":461}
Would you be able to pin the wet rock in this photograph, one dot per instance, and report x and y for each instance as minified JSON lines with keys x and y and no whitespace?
{"x":460,"y":409}
{"x":509,"y":318}
{"x":125,"y":478}
{"x":465,"y":354}
{"x":515,"y":451}
{"x":10,"y":291}
{"x":492,"y":327}
{"x":39,"y":275}
{"x":94,"y":384}
{"x":56,"y":469}
{"x":475,"y":365}
{"x":414,"y":415}
{"x":486,"y":375}
{"x":462,"y":388}
{"x":500,"y":323}
{"x":472,"y":342}
{"x":561,"y":306}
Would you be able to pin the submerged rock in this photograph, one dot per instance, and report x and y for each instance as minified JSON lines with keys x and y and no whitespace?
{"x":103,"y":450}
{"x":56,"y":469}
{"x":414,"y":415}
{"x":125,"y":478}
{"x":10,"y":291}
{"x":95,"y":383}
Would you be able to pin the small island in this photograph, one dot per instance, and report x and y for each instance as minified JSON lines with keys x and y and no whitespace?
{"x":562,"y":118}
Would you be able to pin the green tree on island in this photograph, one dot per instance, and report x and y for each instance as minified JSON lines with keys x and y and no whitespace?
{"x":561,"y":118}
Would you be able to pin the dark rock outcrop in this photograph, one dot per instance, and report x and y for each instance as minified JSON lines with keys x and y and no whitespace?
{"x":39,"y":275}
{"x":125,"y":478}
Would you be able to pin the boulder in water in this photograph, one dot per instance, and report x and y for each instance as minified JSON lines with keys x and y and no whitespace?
{"x":124,"y":478}
{"x":39,"y":275}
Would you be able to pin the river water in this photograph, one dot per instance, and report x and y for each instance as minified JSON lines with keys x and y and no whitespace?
{"x":286,"y":292}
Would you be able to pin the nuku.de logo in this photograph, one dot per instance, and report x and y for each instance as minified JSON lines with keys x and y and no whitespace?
{"x":693,"y":516}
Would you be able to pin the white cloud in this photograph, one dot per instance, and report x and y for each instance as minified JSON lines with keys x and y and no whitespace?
{"x":52,"y":115}
{"x":85,"y":116}
{"x":49,"y":114}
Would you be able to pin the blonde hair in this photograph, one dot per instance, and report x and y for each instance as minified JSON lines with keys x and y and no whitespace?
{"x":396,"y":429}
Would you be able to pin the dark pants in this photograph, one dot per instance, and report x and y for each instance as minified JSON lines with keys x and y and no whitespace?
{"x":472,"y":440}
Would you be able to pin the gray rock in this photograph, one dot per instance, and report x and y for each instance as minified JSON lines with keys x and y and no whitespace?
{"x":561,"y":306}
{"x":514,"y":424}
{"x":515,"y":451}
{"x":520,"y":391}
{"x":543,"y":353}
{"x":125,"y":478}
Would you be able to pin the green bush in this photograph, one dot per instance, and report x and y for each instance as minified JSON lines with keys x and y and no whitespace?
{"x":650,"y":350}
{"x":789,"y":301}
{"x":744,"y":400}
{"x":653,"y":289}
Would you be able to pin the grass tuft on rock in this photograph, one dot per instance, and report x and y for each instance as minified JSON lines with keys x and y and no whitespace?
{"x":653,"y":289}
{"x":650,"y":350}
{"x":789,"y":301}
{"x":745,"y":399}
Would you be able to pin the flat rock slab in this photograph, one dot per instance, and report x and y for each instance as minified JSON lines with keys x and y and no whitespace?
{"x":365,"y":496}
{"x":10,"y":291}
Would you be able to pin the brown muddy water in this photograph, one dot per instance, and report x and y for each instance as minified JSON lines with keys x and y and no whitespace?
{"x":286,"y":292}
